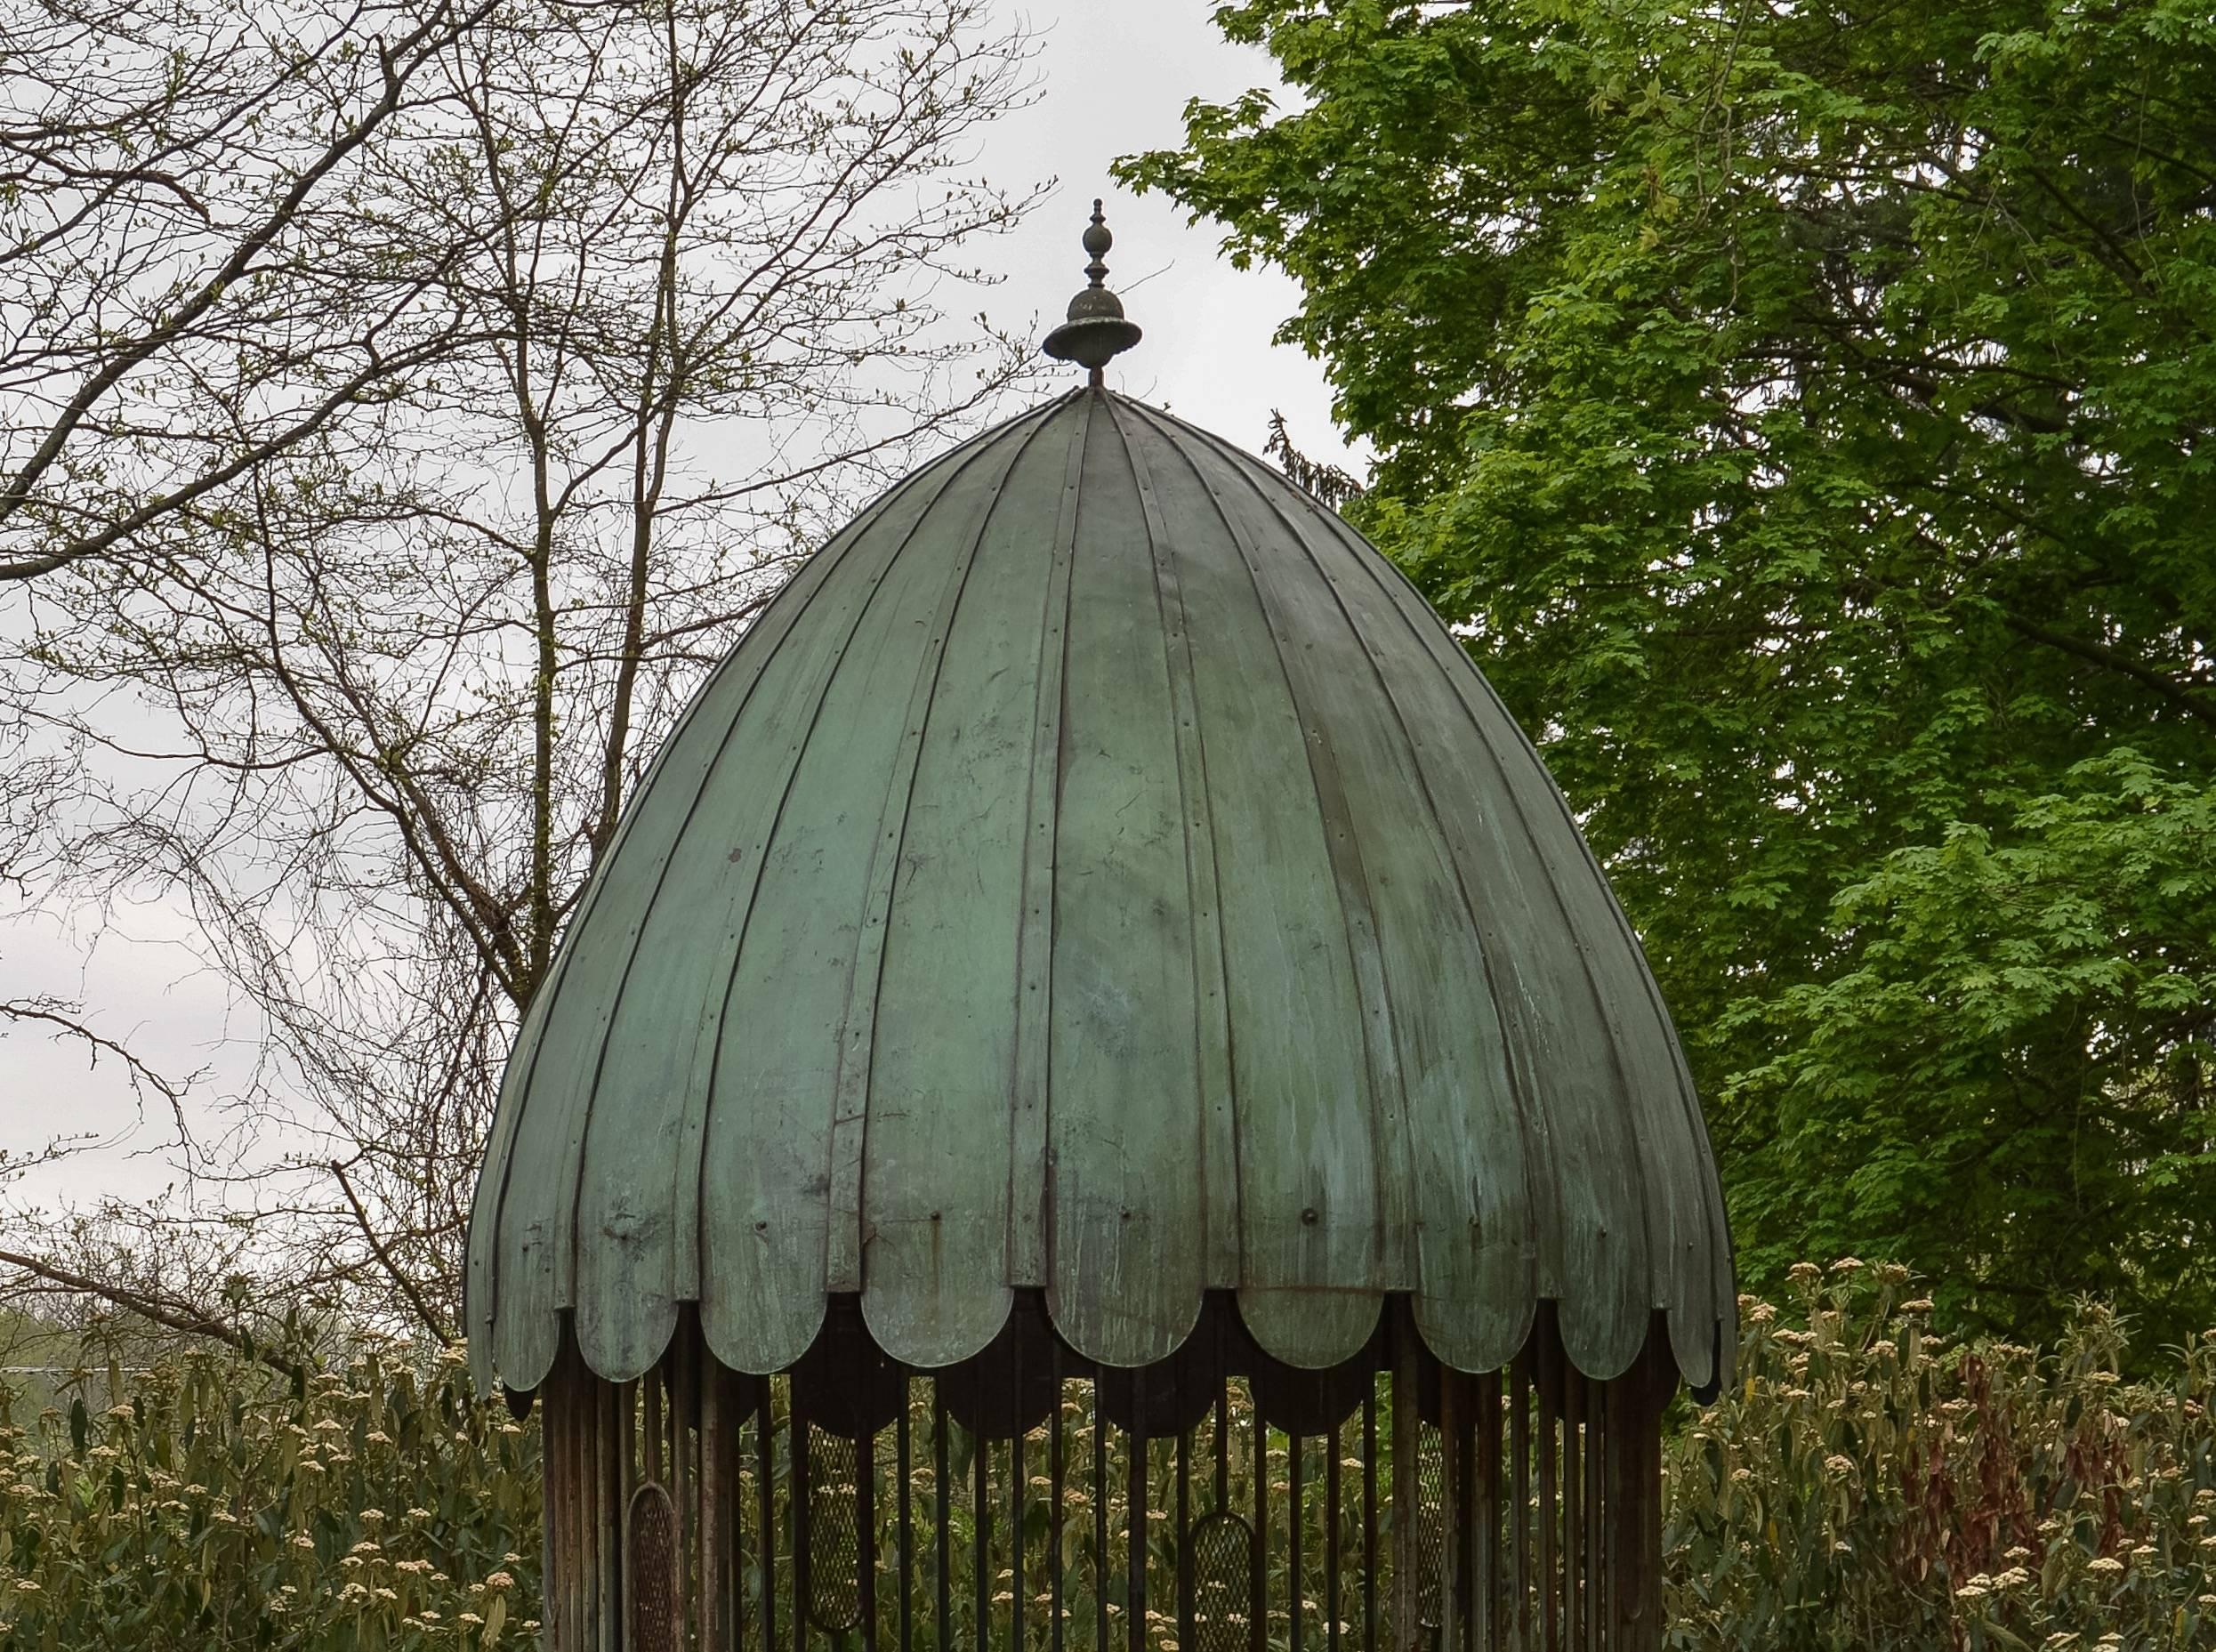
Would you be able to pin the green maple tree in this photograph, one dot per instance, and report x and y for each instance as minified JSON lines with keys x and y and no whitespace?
{"x":1811,"y":411}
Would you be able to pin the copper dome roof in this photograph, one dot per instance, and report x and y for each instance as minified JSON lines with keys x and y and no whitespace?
{"x":1100,"y":871}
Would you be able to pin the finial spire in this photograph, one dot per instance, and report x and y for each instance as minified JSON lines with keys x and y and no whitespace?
{"x":1096,"y":331}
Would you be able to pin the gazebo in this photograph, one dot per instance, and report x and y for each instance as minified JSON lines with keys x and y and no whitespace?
{"x":1098,"y":1100}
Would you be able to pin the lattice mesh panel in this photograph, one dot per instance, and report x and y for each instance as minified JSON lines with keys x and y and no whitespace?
{"x":832,"y":1531}
{"x":657,"y":1614}
{"x":1222,"y":1547}
{"x":1433,"y":1526}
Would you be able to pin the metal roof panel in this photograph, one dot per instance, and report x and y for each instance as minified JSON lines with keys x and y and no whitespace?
{"x":1098,"y":871}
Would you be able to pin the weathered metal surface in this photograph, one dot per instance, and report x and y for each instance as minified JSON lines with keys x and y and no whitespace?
{"x":1306,"y":1118}
{"x":953,"y":948}
{"x":523,"y":1255}
{"x":1511,"y":1511}
{"x":1464,"y":1173}
{"x":1099,"y":873}
{"x":1123,"y":1106}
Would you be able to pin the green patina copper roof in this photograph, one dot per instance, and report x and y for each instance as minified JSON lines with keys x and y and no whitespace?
{"x":1100,"y":871}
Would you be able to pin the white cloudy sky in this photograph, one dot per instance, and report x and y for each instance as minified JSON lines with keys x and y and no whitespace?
{"x":1114,"y":79}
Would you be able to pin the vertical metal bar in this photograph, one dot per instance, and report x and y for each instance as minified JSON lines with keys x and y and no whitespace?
{"x":1634,"y":1474}
{"x":714,"y":1502}
{"x":1056,"y":1477}
{"x":1100,"y":1522}
{"x":942,"y":1510}
{"x":1135,"y":1496}
{"x":1184,"y":1545}
{"x":1490,"y":1631}
{"x":1016,"y":1493}
{"x":1520,"y":1490}
{"x":1403,"y":1627}
{"x":557,"y":1496}
{"x":903,"y":1473}
{"x":798,"y":1520}
{"x":581,"y":1527}
{"x":1297,"y":1572}
{"x":1459,"y":1428}
{"x":1597,"y":1494}
{"x":559,"y":1493}
{"x":576,"y":1452}
{"x":549,"y":1526}
{"x":614,"y":1456}
{"x":1446,"y":1558}
{"x":627,"y":1448}
{"x":580,"y":1521}
{"x":1596,"y":1601}
{"x":798,"y":1476}
{"x":1369,"y":1517}
{"x":765,"y":1498}
{"x":866,"y":1533}
{"x":587,"y":1513}
{"x":1573,"y":1507}
{"x":1550,"y":1536}
{"x":1473,"y":1578}
{"x":1258,"y":1569}
{"x":981,"y":1529}
{"x":606,"y":1520}
{"x":1334,"y":1513}
{"x":684,"y":1478}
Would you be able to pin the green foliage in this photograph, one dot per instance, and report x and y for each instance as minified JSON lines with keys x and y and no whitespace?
{"x":214,"y":1506}
{"x":1808,"y":409}
{"x":1868,"y":1483}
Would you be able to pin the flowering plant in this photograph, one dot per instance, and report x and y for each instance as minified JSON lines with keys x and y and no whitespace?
{"x":1867,"y":1482}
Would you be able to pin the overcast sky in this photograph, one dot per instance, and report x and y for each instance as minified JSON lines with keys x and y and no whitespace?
{"x":1114,"y":79}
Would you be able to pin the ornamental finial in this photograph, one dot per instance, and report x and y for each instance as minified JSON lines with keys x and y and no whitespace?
{"x":1096,"y":331}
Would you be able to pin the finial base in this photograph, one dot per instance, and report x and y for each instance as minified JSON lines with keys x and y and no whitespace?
{"x":1091,"y":341}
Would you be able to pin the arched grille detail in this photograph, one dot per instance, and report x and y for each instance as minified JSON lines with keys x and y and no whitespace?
{"x":651,"y":1574}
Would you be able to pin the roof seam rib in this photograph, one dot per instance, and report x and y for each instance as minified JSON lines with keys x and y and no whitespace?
{"x":1211,"y":1027}
{"x":1030,"y":1063}
{"x":1350,"y":880}
{"x":857,"y":1047}
{"x":1632,"y":1113}
{"x":542,"y":1008}
{"x":1447,"y":856}
{"x":738,"y":943}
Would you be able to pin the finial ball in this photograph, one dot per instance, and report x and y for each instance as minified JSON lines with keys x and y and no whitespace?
{"x":1096,"y":330}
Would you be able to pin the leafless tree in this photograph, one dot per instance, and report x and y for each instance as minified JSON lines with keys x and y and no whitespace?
{"x":181,"y":299}
{"x":653,"y":290}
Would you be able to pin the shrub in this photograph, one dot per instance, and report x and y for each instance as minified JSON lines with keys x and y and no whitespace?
{"x":216,"y":1506}
{"x":1866,"y":1483}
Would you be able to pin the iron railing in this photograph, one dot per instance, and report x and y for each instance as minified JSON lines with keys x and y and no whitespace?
{"x":1028,"y":1501}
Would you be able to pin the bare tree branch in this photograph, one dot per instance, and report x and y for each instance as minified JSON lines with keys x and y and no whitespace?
{"x":433,"y":1321}
{"x":171,"y":1315}
{"x":471,"y":401}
